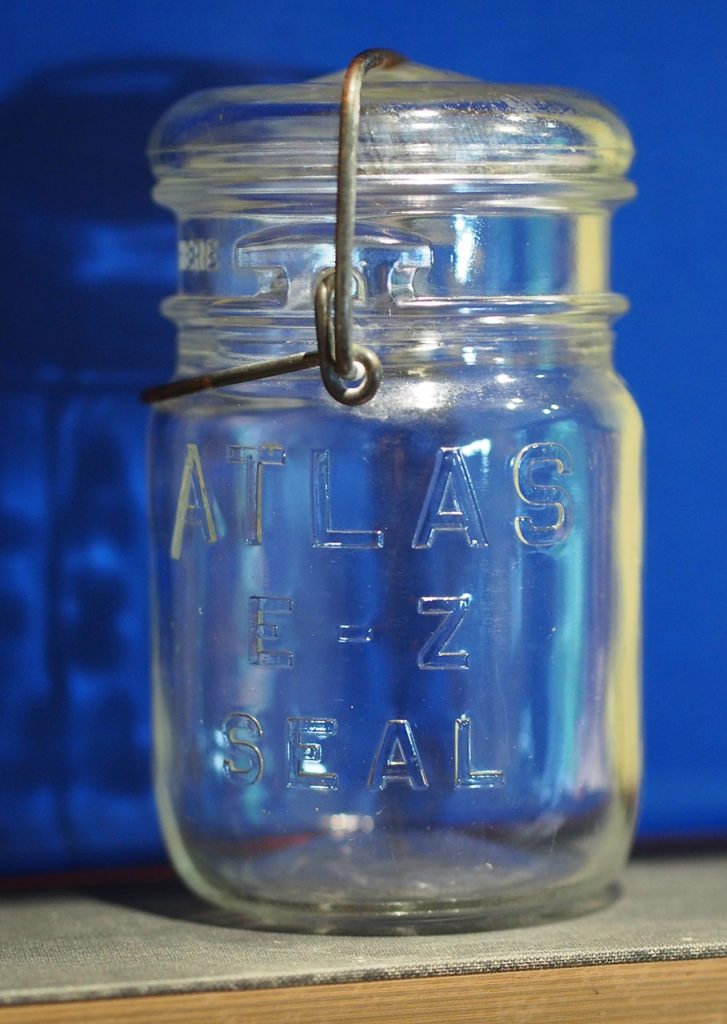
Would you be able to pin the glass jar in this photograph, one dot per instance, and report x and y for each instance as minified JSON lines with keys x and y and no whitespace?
{"x":397,"y":646}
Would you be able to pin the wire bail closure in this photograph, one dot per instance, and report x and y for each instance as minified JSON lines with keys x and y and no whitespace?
{"x":340,"y":356}
{"x":351,"y":373}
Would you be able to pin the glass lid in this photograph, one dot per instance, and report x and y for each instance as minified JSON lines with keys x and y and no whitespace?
{"x":416,"y":122}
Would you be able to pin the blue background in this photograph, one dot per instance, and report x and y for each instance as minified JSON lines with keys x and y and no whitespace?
{"x":87,"y":259}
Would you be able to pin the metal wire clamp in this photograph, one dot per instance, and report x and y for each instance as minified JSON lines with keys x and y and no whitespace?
{"x":351,"y":373}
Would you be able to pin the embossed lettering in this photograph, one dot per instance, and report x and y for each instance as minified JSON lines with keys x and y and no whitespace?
{"x":305,"y":754}
{"x":465,"y":776}
{"x":253,"y":460}
{"x":324,"y":535}
{"x":263,"y":628}
{"x":450,"y":505}
{"x":305,"y":762}
{"x":453,"y":609}
{"x":193,"y":504}
{"x":197,"y":254}
{"x":355,"y":634}
{"x":245,"y":763}
{"x":553,"y":520}
{"x":397,"y":758}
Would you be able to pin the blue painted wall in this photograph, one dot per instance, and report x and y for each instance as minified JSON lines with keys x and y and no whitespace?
{"x":87,"y":259}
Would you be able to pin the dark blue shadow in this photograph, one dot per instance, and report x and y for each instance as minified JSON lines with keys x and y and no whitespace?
{"x":89,"y":259}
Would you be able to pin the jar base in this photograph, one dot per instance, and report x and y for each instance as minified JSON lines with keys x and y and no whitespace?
{"x":501,"y":887}
{"x":406,"y":919}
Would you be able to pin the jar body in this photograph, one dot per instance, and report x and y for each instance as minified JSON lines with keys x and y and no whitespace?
{"x":397,"y":646}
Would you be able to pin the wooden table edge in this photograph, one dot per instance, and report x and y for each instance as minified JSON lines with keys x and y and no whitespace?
{"x":660,"y":992}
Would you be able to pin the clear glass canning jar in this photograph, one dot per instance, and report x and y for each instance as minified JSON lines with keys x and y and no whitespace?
{"x":397,"y":646}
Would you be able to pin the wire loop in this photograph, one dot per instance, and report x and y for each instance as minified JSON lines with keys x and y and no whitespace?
{"x":334,"y":292}
{"x":351,"y":373}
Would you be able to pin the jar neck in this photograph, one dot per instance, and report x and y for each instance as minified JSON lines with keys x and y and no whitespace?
{"x":447,"y":251}
{"x":417,"y":346}
{"x":437,"y":278}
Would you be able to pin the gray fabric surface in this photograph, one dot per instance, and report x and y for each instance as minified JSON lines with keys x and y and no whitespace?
{"x":80,"y":945}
